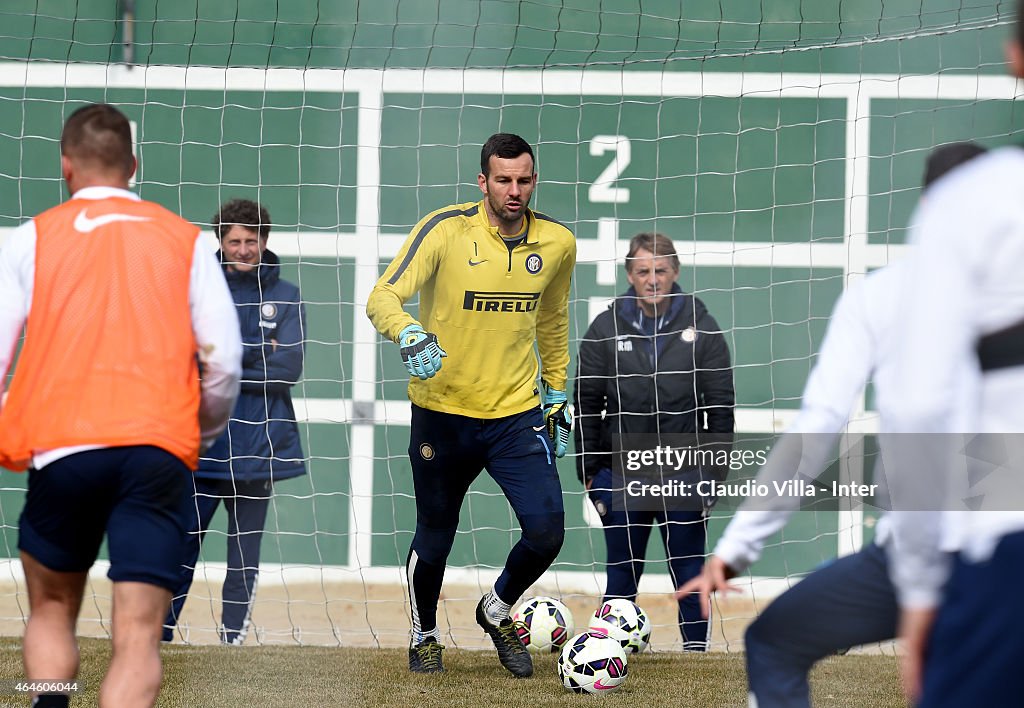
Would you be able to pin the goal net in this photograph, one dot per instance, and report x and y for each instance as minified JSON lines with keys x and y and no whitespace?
{"x":780,"y":145}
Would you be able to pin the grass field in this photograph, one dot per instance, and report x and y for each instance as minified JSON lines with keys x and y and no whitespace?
{"x":277,"y":676}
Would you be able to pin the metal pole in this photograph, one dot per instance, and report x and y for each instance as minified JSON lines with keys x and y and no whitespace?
{"x":128,"y":32}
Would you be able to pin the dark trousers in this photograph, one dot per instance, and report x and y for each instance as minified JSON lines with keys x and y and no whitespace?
{"x":848,"y":602}
{"x":447,"y":453}
{"x":977,"y":642}
{"x":626,"y":534}
{"x":246,"y":505}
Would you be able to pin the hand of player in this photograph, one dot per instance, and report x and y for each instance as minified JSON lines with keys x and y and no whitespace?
{"x":915,"y":628}
{"x":206,"y":442}
{"x":421,"y":353}
{"x":714,"y":578}
{"x":558,"y":418}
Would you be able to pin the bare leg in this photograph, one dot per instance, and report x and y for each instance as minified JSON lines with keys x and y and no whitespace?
{"x":50,"y":650}
{"x":133,"y":680}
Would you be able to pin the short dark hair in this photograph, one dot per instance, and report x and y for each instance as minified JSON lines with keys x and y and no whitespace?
{"x":99,"y":136}
{"x":658,"y":244}
{"x":945,"y":157}
{"x":241,"y":212}
{"x":505,"y":146}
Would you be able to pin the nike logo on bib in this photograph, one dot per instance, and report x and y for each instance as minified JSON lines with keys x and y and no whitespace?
{"x":84,"y":224}
{"x":476,"y":263}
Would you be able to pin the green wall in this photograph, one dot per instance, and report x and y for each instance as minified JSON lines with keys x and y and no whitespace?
{"x":501,"y":33}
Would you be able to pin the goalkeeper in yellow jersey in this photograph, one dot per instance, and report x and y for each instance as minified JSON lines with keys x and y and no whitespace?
{"x":493,"y":278}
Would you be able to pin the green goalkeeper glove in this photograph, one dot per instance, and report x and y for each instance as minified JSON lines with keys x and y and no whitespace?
{"x":421,"y":353}
{"x":558,"y":418}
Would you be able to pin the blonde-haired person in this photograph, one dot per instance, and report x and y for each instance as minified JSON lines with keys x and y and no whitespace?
{"x":654,"y":363}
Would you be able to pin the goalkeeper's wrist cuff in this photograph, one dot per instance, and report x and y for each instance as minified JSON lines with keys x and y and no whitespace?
{"x":550,"y":396}
{"x":414,"y":327}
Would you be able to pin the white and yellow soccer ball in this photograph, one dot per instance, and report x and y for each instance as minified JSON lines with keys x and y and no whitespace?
{"x":546,"y":624}
{"x":625,"y":622}
{"x":592,"y":663}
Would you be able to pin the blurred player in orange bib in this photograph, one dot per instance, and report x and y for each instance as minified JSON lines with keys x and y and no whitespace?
{"x":122,"y":306}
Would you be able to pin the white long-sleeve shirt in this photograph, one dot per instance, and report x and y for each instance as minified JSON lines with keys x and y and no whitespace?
{"x":965,"y":279}
{"x":857,"y":344}
{"x":214,"y":323}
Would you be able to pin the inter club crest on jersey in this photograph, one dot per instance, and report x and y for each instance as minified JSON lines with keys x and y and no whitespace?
{"x":268,"y":311}
{"x":534,"y":263}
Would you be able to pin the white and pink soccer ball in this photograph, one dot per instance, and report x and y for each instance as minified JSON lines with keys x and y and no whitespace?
{"x":623,"y":621}
{"x":546,"y":624}
{"x":592,"y":663}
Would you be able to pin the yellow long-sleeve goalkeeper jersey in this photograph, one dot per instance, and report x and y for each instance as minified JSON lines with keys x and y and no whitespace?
{"x":486,"y":304}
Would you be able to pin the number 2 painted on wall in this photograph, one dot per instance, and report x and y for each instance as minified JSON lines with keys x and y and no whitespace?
{"x":602,"y":190}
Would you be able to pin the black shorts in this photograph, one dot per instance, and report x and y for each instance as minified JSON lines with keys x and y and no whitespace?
{"x":448,"y":452}
{"x":139,"y":496}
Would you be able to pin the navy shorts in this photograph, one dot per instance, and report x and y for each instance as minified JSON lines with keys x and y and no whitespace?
{"x":449,"y":451}
{"x":140,"y":496}
{"x":977,"y":643}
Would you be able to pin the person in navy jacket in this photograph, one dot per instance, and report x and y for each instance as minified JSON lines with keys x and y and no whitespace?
{"x":261,"y":445}
{"x":653,"y":363}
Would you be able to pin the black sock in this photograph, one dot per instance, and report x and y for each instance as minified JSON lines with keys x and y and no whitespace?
{"x":425,"y":581}
{"x":51,"y":700}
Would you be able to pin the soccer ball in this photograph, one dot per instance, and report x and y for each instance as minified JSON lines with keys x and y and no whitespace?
{"x":625,"y":622}
{"x":546,"y":624}
{"x":592,"y":663}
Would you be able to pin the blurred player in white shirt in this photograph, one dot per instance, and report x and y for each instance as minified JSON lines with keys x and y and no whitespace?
{"x":850,"y":601}
{"x":961,"y":315}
